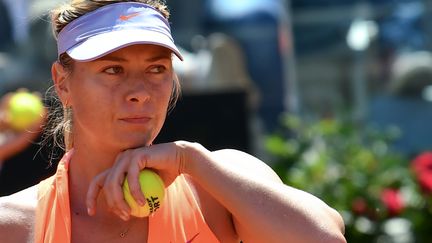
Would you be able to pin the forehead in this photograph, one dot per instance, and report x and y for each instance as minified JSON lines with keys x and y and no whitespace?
{"x":141,"y":51}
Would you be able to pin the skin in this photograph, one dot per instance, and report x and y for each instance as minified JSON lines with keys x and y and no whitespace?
{"x":120,"y":103}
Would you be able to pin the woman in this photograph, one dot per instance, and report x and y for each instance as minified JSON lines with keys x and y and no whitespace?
{"x":114,"y":78}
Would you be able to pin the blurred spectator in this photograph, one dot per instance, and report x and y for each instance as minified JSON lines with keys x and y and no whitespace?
{"x":27,"y":61}
{"x":402,"y":31}
{"x":39,"y":29}
{"x":320,"y":33}
{"x":186,"y":20}
{"x":402,"y":26}
{"x":210,"y":68}
{"x":256,"y":26}
{"x":407,"y":105}
{"x":321,"y":24}
{"x":401,"y":23}
{"x":407,"y":64}
{"x":18,"y":13}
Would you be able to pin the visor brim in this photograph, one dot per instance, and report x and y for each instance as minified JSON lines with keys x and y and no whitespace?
{"x":105,"y":43}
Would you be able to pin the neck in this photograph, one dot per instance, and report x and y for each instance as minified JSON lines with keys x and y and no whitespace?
{"x":86,"y":163}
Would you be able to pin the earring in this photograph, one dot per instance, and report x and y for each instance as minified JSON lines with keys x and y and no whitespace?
{"x":67,"y":127}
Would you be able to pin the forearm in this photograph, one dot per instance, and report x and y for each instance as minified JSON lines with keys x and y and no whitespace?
{"x":15,"y":145}
{"x":263,"y":209}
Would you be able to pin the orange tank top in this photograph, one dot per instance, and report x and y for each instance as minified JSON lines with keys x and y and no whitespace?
{"x":178,"y":220}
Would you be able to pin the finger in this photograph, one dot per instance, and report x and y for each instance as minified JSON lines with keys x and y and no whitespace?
{"x":121,"y":214}
{"x":3,"y":119}
{"x":133,"y":181}
{"x":95,"y":187}
{"x":115,"y":198}
{"x":115,"y":182}
{"x":4,"y":103}
{"x":22,"y":89}
{"x":38,"y":94}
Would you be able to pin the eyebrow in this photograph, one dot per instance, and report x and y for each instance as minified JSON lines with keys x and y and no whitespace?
{"x":158,"y":58}
{"x":111,"y":58}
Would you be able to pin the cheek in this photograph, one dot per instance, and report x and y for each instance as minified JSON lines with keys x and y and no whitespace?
{"x":162,"y":98}
{"x":91,"y":110}
{"x":90,"y":100}
{"x":163,"y":93}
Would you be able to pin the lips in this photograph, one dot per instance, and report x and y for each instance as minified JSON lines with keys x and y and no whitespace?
{"x":136,"y":119}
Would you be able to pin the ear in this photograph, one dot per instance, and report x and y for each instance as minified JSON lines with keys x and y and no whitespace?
{"x":60,"y":77}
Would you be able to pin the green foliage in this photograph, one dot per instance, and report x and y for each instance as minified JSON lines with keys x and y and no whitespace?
{"x":354,"y":170}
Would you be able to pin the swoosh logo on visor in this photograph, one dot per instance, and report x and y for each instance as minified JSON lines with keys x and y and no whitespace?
{"x":129,"y":16}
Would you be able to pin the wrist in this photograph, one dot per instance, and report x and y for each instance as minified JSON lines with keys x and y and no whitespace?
{"x":189,"y":155}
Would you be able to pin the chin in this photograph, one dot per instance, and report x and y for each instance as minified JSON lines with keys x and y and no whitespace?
{"x":135,"y":139}
{"x":132,"y":142}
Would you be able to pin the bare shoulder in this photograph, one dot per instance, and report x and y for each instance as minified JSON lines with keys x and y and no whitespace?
{"x":17,"y":213}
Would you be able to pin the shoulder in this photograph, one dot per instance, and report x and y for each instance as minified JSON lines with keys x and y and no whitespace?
{"x":17,"y":215}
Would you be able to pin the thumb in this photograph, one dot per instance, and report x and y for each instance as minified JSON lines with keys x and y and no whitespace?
{"x":93,"y":192}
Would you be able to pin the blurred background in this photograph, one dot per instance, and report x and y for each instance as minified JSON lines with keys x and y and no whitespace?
{"x":335,"y":95}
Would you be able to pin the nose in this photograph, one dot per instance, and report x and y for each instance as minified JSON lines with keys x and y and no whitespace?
{"x":138,"y":93}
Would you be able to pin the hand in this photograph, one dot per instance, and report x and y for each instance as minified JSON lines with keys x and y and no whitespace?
{"x":5,"y":125}
{"x":166,"y":159}
{"x":12,"y":141}
{"x":4,"y":102}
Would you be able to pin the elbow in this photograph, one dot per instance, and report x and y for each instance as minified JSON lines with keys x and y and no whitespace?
{"x":330,"y":234}
{"x":333,"y":235}
{"x":340,"y":239}
{"x":330,"y":228}
{"x":339,"y":222}
{"x":336,"y":229}
{"x":337,"y":237}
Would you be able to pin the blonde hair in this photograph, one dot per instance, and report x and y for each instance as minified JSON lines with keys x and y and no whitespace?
{"x":63,"y":15}
{"x":59,"y":126}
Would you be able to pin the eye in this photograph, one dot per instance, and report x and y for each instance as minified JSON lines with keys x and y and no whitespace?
{"x":113,"y":70}
{"x":157,"y":69}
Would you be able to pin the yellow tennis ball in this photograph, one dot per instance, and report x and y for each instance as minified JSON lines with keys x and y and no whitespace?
{"x":153,"y":189}
{"x":24,"y":109}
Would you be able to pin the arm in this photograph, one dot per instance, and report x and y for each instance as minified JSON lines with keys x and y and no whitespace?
{"x":17,"y":216}
{"x":263,"y":208}
{"x":18,"y":142}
